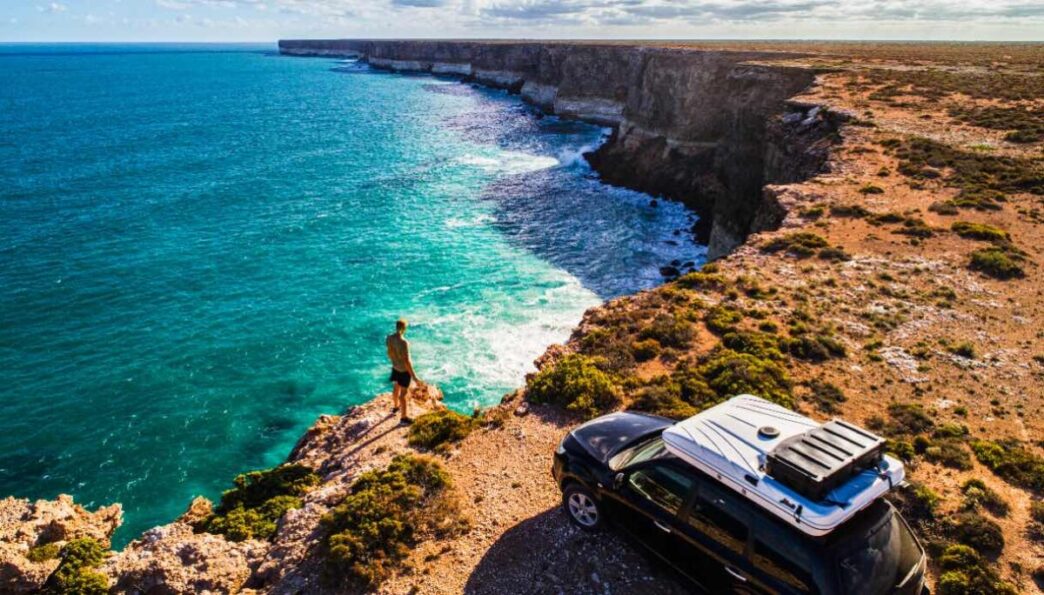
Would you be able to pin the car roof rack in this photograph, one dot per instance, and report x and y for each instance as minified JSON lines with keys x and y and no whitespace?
{"x":813,"y":476}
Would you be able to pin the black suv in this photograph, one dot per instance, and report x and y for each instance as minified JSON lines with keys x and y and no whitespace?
{"x":617,"y":469}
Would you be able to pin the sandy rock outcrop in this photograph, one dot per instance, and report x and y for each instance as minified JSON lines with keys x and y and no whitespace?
{"x":174,"y":559}
{"x":25,"y":525}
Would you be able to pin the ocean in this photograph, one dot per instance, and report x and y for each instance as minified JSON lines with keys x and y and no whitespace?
{"x":202,"y":248}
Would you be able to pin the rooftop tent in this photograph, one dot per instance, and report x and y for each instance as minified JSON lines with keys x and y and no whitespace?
{"x":814,"y":476}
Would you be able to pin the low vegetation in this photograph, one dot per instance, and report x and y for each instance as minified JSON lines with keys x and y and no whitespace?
{"x":977,"y":532}
{"x":978,"y":495}
{"x":577,"y":383}
{"x":77,"y":572}
{"x":999,"y":262}
{"x":43,"y":552}
{"x":1025,"y":125}
{"x":387,"y":513}
{"x":965,"y":572}
{"x":980,"y":231}
{"x":805,"y":244}
{"x":252,"y":509}
{"x":1012,"y":462}
{"x":983,"y":180}
{"x":439,"y":429}
{"x":825,"y":396}
{"x":931,"y":83}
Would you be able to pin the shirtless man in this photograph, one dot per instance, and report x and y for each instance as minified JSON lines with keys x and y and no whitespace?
{"x":402,"y":369}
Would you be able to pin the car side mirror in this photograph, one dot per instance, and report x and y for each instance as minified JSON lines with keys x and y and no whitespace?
{"x":618,"y":481}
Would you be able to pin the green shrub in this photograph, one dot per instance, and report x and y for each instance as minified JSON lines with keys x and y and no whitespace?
{"x":645,"y":350}
{"x":76,"y":573}
{"x":722,"y":319}
{"x":835,"y":254}
{"x":387,"y":513}
{"x":871,"y":189}
{"x":815,"y":348}
{"x":977,"y":494}
{"x":908,"y":419}
{"x":801,"y":244}
{"x":252,"y":509}
{"x":851,"y":211}
{"x":980,"y":231}
{"x":901,"y":448}
{"x":663,"y":400}
{"x":977,"y":532}
{"x":755,"y":343}
{"x":576,"y":383}
{"x":963,"y":349}
{"x":951,"y":430}
{"x":1037,"y":511}
{"x":438,"y":429}
{"x":693,"y":387}
{"x":730,"y":373}
{"x":825,"y":396}
{"x":44,"y":552}
{"x":965,"y":572}
{"x":669,"y":331}
{"x":949,"y":453}
{"x":997,"y":262}
{"x":613,"y":347}
{"x":917,"y":502}
{"x":916,"y":228}
{"x":1011,"y":461}
{"x":702,"y":280}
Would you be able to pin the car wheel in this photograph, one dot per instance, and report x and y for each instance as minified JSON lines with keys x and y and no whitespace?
{"x":581,"y":508}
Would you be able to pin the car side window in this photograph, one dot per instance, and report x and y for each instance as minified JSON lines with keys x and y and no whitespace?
{"x":664,"y":486}
{"x":709,"y":518}
{"x":782,"y":568}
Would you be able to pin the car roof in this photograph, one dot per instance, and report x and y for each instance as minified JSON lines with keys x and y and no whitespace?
{"x":732,"y":441}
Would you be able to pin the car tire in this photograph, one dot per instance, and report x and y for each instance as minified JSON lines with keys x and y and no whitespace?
{"x":581,"y":507}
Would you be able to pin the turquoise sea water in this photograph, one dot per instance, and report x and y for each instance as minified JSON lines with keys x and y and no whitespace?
{"x":203,"y":247}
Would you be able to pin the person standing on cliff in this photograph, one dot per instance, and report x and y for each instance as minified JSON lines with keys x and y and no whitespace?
{"x":402,"y":373}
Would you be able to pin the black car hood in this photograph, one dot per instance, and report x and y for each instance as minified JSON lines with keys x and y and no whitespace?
{"x":604,"y":436}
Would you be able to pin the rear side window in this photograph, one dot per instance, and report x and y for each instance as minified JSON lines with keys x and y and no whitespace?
{"x":664,"y":486}
{"x":782,"y":568}
{"x":719,"y":525}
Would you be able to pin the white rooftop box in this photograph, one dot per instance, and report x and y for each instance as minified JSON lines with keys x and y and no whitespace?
{"x":814,"y":476}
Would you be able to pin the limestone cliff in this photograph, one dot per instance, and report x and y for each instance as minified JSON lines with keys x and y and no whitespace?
{"x":687,"y":125}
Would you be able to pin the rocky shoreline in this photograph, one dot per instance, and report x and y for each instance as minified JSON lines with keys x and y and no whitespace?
{"x":701,"y":127}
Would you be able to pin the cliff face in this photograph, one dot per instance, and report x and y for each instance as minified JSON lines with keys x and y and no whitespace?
{"x":688,"y":125}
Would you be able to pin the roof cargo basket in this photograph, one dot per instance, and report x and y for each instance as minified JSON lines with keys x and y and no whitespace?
{"x":816,"y":461}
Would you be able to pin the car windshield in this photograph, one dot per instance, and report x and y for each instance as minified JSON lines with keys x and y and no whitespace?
{"x":643,"y":451}
{"x":880,"y":558}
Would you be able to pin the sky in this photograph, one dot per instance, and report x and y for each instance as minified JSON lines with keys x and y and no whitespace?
{"x":268,"y":20}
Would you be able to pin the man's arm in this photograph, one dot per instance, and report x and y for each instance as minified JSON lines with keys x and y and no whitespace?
{"x":409,"y":364}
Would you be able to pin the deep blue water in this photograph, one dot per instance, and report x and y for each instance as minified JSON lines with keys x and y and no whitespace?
{"x":202,"y":248}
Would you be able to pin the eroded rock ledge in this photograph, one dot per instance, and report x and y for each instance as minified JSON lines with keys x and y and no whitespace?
{"x":702,"y":127}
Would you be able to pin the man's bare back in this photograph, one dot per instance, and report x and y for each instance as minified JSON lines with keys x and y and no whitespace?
{"x":402,"y":374}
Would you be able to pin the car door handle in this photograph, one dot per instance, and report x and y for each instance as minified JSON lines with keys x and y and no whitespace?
{"x":735,"y":574}
{"x":662,"y":526}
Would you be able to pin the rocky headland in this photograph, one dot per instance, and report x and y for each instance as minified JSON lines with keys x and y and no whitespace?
{"x":877,"y":213}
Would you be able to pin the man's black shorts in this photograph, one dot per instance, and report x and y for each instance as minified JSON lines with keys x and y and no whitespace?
{"x":400,"y":378}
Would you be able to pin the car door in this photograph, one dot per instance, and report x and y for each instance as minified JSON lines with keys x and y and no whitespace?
{"x":716,"y":525}
{"x":647,"y":500}
{"x":782,"y":562}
